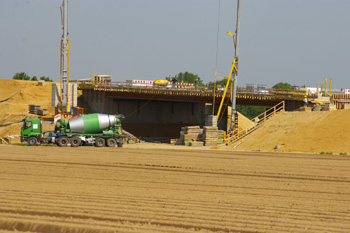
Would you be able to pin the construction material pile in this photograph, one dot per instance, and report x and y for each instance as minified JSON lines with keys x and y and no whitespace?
{"x":33,"y":109}
{"x":210,"y":135}
{"x":190,"y":134}
{"x":37,"y":110}
{"x":195,"y":136}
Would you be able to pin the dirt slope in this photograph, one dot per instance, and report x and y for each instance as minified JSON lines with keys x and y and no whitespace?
{"x":15,"y":98}
{"x":244,"y":122}
{"x":302,"y":132}
{"x":88,"y":189}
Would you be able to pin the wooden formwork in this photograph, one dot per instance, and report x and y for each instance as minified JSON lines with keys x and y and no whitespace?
{"x":340,"y":100}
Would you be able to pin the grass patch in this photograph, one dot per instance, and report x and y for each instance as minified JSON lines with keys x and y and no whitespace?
{"x":326,"y":153}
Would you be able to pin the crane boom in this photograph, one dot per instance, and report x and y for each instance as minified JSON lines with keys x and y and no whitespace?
{"x":64,"y":69}
{"x":234,"y":92}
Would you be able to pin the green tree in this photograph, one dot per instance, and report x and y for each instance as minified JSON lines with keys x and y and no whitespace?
{"x":34,"y":78}
{"x":282,"y":86}
{"x":47,"y":79}
{"x":250,"y":111}
{"x":221,"y":82}
{"x":21,"y":76}
{"x":186,"y":77}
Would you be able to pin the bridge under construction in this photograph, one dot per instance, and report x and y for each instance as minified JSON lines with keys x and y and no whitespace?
{"x":160,"y":112}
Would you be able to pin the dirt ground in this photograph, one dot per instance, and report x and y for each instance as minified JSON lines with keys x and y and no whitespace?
{"x":140,"y":188}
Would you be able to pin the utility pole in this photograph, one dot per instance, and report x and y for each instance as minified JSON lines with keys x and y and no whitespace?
{"x":233,"y":109}
{"x":64,"y":58}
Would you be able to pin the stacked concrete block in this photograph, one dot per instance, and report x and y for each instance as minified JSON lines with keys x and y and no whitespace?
{"x":328,"y":107}
{"x":43,"y":112}
{"x":34,"y":109}
{"x":196,"y":143}
{"x":189,"y":134}
{"x":55,"y":93}
{"x":195,"y":136}
{"x":210,"y":135}
{"x":317,"y":107}
{"x":41,"y":83}
{"x":37,"y":110}
{"x":72,"y":94}
{"x":210,"y":120}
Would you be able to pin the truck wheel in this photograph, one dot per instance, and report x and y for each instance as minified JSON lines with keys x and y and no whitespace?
{"x":56,"y":141}
{"x":75,"y":141}
{"x":100,"y":142}
{"x":111,"y":142}
{"x":32,"y":141}
{"x":63,"y":141}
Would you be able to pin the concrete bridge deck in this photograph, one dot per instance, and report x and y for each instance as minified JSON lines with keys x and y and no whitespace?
{"x":198,"y":95}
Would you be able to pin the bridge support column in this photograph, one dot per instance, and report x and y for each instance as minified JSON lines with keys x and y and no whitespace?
{"x":291,"y":105}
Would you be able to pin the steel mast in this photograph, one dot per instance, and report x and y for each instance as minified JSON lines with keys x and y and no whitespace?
{"x":235,"y":71}
{"x":64,"y":107}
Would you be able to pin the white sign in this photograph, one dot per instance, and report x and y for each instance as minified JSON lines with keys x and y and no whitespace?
{"x":312,"y":90}
{"x":35,"y":126}
{"x":56,"y":118}
{"x":347,"y":91}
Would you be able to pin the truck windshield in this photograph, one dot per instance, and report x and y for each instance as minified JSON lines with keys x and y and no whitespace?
{"x":27,"y":124}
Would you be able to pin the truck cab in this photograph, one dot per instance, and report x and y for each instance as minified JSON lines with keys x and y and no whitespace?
{"x":31,"y":131}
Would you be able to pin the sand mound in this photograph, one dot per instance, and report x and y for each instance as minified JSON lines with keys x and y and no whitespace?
{"x":302,"y":132}
{"x":244,"y":123}
{"x":15,"y":98}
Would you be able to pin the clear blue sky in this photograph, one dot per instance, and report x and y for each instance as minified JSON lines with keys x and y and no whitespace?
{"x":294,"y":41}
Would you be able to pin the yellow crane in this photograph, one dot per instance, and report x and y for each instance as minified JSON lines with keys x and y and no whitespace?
{"x":234,"y":71}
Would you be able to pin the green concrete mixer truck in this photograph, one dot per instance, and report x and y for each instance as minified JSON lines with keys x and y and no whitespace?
{"x":97,"y":129}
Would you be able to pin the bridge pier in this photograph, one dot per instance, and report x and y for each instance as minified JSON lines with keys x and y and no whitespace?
{"x":291,"y":105}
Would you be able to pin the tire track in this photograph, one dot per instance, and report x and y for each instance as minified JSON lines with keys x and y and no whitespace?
{"x":178,"y":169}
{"x":136,"y":201}
{"x":170,"y":217}
{"x":171,"y":193}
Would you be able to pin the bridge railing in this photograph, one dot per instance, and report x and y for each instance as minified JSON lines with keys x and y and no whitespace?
{"x":156,"y":89}
{"x":195,"y":90}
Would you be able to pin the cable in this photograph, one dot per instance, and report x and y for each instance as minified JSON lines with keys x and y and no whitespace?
{"x":132,"y":113}
{"x":228,"y":99}
{"x":8,"y":97}
{"x":217,"y":37}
